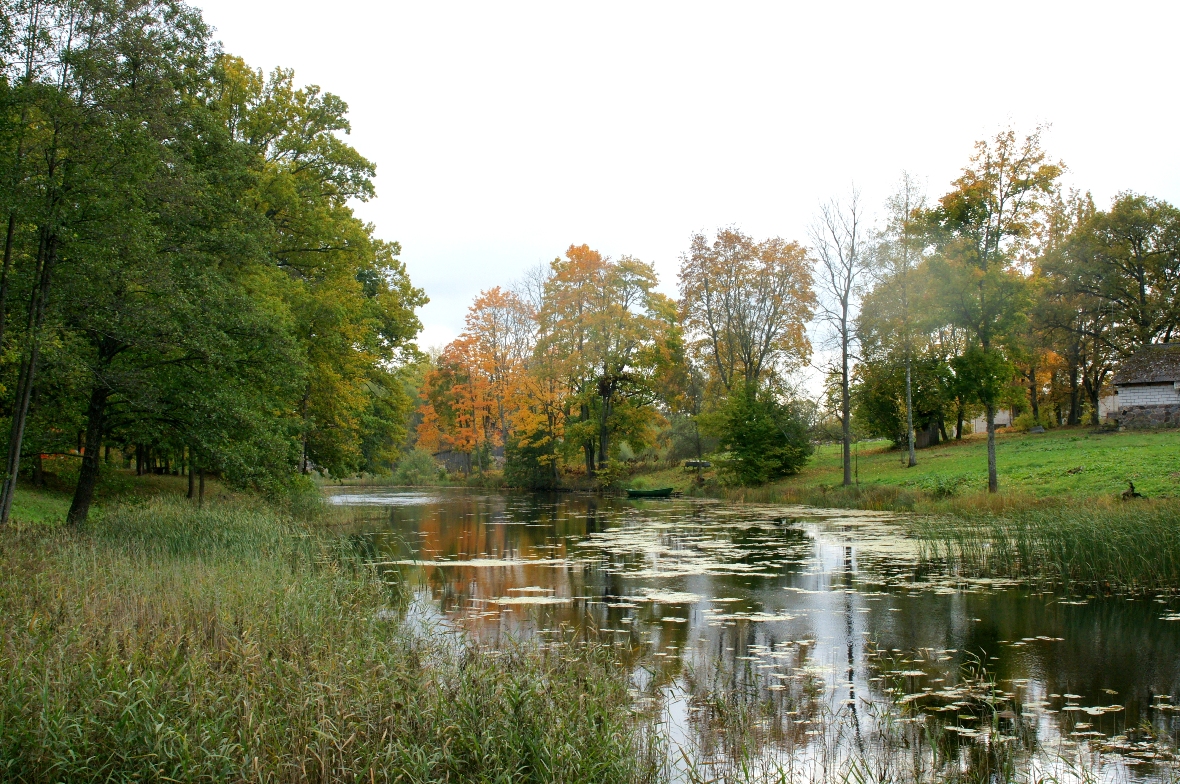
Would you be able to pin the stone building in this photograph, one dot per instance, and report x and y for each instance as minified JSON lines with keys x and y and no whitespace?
{"x":1148,"y":388}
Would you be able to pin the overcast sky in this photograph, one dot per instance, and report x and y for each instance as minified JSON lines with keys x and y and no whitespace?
{"x":503,"y":132}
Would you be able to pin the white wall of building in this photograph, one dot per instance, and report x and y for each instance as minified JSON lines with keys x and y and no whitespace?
{"x":1003,"y":419}
{"x":1107,"y":405}
{"x":1148,"y":395}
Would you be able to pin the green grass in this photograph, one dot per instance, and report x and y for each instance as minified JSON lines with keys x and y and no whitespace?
{"x":1071,"y":462}
{"x":35,"y":506}
{"x":233,"y":643}
{"x":48,"y":504}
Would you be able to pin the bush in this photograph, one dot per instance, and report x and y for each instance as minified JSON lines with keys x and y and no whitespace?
{"x":764,"y":438}
{"x":944,"y":485}
{"x":417,"y":468}
{"x":529,"y":462}
{"x":612,"y":475}
{"x":1025,"y":422}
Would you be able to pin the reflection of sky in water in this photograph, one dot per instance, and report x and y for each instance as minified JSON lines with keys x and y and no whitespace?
{"x":381,"y":498}
{"x":776,"y":600}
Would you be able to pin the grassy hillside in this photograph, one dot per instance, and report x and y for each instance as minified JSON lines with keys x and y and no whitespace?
{"x":48,"y":505}
{"x":1071,"y":462}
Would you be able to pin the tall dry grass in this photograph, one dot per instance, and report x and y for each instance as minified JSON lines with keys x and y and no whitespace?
{"x":231,"y":643}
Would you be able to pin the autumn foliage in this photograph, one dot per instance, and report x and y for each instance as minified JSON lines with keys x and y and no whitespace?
{"x":585,"y":360}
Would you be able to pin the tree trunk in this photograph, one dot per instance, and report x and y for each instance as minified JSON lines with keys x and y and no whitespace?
{"x":47,"y":251}
{"x":588,"y":447}
{"x":909,"y":415}
{"x":959,"y":414}
{"x":1075,"y":415}
{"x":603,"y":431}
{"x":201,"y":488}
{"x":190,"y":476}
{"x":845,"y":405}
{"x":1092,"y":388}
{"x":993,"y":481}
{"x":1033,"y":397}
{"x":8,"y":238}
{"x":88,"y":476}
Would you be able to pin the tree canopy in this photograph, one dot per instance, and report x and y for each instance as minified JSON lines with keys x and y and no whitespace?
{"x":182,"y":269}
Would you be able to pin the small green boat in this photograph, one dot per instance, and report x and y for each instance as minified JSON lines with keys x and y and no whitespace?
{"x":662,"y":492}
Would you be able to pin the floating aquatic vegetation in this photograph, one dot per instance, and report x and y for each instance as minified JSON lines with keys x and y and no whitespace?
{"x":666,"y":597}
{"x":535,"y":599}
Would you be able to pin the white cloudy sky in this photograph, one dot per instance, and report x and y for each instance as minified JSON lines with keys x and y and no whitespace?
{"x":505,"y":131}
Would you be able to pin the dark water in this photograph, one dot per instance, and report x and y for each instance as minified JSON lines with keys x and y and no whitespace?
{"x":776,"y":599}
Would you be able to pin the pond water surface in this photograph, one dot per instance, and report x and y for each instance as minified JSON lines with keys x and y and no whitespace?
{"x":823,"y":625}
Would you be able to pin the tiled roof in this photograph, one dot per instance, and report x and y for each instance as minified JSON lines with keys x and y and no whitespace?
{"x":1158,"y":364}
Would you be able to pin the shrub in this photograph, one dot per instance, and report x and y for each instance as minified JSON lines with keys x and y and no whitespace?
{"x":764,"y":438}
{"x":417,"y":468}
{"x":1025,"y":422}
{"x":529,"y":462}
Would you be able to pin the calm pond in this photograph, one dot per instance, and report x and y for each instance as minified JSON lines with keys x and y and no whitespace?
{"x":817,"y":633}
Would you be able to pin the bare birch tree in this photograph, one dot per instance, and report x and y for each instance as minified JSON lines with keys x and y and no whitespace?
{"x":897,"y":253}
{"x":842,"y":261}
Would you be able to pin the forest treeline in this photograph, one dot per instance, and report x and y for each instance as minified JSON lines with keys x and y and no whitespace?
{"x":1009,"y":291}
{"x":183,"y":278}
{"x":185,"y":286}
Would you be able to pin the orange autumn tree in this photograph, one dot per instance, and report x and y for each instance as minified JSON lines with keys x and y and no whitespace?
{"x":526,"y":394}
{"x":567,"y":362}
{"x":606,"y":325}
{"x":470,"y":397}
{"x":457,"y":405}
{"x":500,"y":328}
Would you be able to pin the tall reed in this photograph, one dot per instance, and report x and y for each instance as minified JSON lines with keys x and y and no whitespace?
{"x":233,"y":644}
{"x":1106,"y":545}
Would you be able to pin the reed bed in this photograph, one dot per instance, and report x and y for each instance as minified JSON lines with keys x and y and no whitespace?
{"x":1123,"y":546}
{"x":232,"y":643}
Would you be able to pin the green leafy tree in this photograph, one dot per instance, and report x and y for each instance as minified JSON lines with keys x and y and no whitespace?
{"x":348,"y":296}
{"x":763,"y":438}
{"x":1127,"y":261}
{"x":982,"y":230}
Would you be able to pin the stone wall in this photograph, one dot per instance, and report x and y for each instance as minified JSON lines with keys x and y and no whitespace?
{"x":1148,"y":395}
{"x":1140,"y":417}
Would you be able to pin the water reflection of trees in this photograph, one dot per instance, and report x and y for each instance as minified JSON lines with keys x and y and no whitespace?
{"x":1108,"y":644}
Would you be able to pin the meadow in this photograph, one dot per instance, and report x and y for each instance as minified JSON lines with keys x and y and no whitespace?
{"x":1073,"y":464}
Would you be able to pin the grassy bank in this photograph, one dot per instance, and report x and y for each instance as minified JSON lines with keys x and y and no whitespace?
{"x":1065,"y":465}
{"x":1073,"y":463}
{"x":234,"y":643}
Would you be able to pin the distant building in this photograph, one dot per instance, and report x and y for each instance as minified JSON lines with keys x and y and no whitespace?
{"x":1003,"y":419}
{"x":1148,"y":388}
{"x":1107,"y":406}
